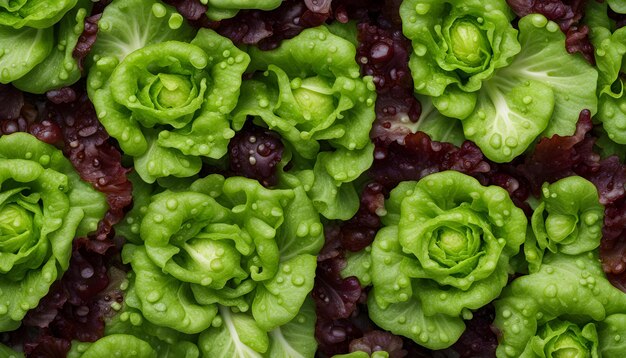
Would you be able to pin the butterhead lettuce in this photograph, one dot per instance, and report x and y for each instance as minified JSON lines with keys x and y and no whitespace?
{"x":222,"y":250}
{"x":310,"y":91}
{"x":444,"y":250}
{"x":44,"y":205}
{"x":164,"y":99}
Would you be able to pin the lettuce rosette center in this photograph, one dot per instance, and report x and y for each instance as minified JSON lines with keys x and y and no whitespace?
{"x":444,"y":251}
{"x":457,"y":45}
{"x":469,"y":45}
{"x":169,"y":90}
{"x":16,"y":228}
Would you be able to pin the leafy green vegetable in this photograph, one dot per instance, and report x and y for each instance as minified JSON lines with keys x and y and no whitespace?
{"x":444,"y":251}
{"x":166,"y":101}
{"x":222,"y":244}
{"x":457,"y":44}
{"x":568,"y":220}
{"x":223,"y":9}
{"x":166,"y":342}
{"x":114,"y":345}
{"x":43,"y":206}
{"x":541,"y":92}
{"x":9,"y":353}
{"x":311,"y":93}
{"x":239,"y":336}
{"x":558,"y":307}
{"x":611,"y":50}
{"x":506,"y":90}
{"x":38,"y":14}
{"x":37,"y":38}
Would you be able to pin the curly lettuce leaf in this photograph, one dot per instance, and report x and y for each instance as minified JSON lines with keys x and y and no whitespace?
{"x":59,"y":68}
{"x":221,"y":243}
{"x":239,"y":336}
{"x":610,"y":44}
{"x":565,"y":287}
{"x":167,"y":342}
{"x":37,"y":14}
{"x":163,"y":299}
{"x":114,"y":345}
{"x":224,"y":9}
{"x":128,"y":25}
{"x":540,"y":93}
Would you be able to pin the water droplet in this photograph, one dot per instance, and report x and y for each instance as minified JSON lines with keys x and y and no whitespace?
{"x":550,"y":291}
{"x":298,"y":281}
{"x":422,"y":8}
{"x":496,"y":141}
{"x":172,"y":204}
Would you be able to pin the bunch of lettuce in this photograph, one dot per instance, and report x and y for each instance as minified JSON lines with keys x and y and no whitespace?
{"x":222,"y":265}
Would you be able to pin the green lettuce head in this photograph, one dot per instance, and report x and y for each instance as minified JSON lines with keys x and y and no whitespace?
{"x":165,"y":100}
{"x":43,"y":206}
{"x":457,"y":44}
{"x":568,"y":220}
{"x":311,"y":93}
{"x":221,"y":245}
{"x":565,"y":309}
{"x":37,"y":38}
{"x":507,"y":88}
{"x":444,"y":250}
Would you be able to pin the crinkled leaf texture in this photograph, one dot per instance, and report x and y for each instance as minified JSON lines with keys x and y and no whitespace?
{"x":38,"y":14}
{"x":457,"y":44}
{"x":38,"y":38}
{"x":44,"y":207}
{"x":540,"y":93}
{"x":311,"y":93}
{"x":219,"y":245}
{"x":566,"y":288}
{"x":611,"y":50}
{"x":224,"y":9}
{"x":121,"y":345}
{"x":443,"y":252}
{"x":164,"y":99}
{"x":568,"y":220}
